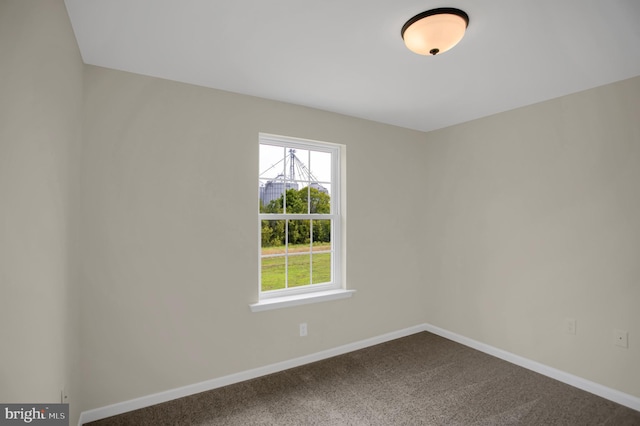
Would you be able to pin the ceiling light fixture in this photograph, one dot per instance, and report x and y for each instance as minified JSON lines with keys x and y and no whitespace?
{"x":435,"y":31}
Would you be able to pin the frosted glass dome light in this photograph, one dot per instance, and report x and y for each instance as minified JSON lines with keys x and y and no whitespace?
{"x":435,"y":31}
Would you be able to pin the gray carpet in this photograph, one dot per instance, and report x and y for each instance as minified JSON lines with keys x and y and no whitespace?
{"x":422,"y":379}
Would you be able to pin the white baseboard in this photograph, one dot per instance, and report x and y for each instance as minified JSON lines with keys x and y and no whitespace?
{"x":561,"y":376}
{"x":157,"y":398}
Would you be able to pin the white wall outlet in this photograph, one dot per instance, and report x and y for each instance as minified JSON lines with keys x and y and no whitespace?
{"x":621,"y":338}
{"x":570,"y":325}
{"x":303,"y":329}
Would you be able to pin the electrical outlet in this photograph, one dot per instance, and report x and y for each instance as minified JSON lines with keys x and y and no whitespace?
{"x":621,"y":338}
{"x":570,"y":325}
{"x":303,"y":329}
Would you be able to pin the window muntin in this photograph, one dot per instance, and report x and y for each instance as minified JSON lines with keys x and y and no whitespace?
{"x":299,"y":216}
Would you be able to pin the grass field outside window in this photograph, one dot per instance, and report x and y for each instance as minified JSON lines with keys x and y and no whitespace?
{"x":305,"y":267}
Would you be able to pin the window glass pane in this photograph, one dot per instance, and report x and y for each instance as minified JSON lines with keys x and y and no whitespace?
{"x":299,"y":270}
{"x":295,"y":201}
{"x":272,"y":161}
{"x":320,"y":198}
{"x":321,"y":247}
{"x":321,"y":268}
{"x":297,"y":166}
{"x":299,"y":235}
{"x":273,"y":273}
{"x":271,"y":196}
{"x":321,"y":235}
{"x":304,"y":193}
{"x":273,"y":236}
{"x":320,"y":166}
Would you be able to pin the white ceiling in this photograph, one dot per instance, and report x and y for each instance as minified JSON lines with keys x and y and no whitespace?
{"x":347,"y":56}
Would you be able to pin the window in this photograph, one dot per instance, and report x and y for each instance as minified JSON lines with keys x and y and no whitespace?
{"x":299,"y":216}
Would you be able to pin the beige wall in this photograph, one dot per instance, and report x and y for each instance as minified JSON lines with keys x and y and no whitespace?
{"x":170,"y":235}
{"x":533,"y":216}
{"x":40,"y":123}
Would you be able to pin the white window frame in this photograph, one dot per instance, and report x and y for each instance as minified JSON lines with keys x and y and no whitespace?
{"x":311,"y":293}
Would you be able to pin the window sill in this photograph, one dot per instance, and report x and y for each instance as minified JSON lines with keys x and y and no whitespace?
{"x":300,"y":299}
